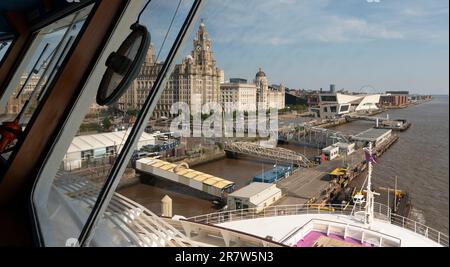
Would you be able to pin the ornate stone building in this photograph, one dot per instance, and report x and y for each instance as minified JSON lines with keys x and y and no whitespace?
{"x":197,"y":74}
{"x":135,"y":97}
{"x":270,"y":96}
{"x":240,"y":93}
{"x":15,"y":104}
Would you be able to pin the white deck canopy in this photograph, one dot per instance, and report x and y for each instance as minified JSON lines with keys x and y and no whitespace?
{"x":100,"y":146}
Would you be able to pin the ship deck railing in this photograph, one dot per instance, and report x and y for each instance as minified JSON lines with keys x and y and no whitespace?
{"x":381,"y":212}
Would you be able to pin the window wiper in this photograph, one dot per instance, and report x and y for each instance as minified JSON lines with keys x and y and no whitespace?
{"x":124,"y":157}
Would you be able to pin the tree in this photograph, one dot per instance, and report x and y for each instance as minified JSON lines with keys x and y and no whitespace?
{"x":107,"y":123}
{"x":133,"y":112}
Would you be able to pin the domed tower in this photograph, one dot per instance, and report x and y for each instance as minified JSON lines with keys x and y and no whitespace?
{"x":203,"y":53}
{"x":150,"y":57}
{"x":262,"y":86}
{"x":260,"y":74}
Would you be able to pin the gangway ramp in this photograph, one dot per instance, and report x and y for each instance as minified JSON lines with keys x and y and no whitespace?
{"x":181,"y":173}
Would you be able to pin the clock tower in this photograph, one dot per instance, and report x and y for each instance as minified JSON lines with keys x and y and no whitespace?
{"x":196,"y":75}
{"x":202,"y":53}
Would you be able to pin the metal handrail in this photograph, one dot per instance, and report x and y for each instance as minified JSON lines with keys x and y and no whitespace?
{"x":382,"y":212}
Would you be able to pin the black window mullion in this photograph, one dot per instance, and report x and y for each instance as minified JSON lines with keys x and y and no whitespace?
{"x":122,"y":160}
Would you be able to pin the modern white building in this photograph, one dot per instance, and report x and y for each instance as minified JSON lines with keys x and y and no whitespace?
{"x":332,"y":105}
{"x":345,"y":148}
{"x":99,"y":146}
{"x":373,"y":135}
{"x":254,"y":196}
{"x":331,"y":152}
{"x":243,"y":95}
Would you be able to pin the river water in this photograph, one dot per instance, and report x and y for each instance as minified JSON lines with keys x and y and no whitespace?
{"x":419,"y":160}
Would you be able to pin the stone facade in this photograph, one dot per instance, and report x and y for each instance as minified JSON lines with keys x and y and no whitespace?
{"x":15,"y":104}
{"x":197,"y":74}
{"x":242,"y":94}
{"x":270,"y":96}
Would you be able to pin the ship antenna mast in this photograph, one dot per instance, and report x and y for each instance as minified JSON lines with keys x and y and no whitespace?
{"x":368,"y":219}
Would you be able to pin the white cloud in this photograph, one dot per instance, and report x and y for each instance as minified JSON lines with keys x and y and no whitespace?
{"x":283,"y":22}
{"x":424,"y":12}
{"x":337,"y":29}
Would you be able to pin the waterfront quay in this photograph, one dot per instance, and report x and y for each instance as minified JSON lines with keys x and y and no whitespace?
{"x":316,"y":186}
{"x":309,"y":185}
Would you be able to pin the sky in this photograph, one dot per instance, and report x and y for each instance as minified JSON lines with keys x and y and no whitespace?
{"x":310,"y":44}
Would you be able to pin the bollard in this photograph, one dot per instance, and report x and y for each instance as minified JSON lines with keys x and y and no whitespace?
{"x":166,"y":206}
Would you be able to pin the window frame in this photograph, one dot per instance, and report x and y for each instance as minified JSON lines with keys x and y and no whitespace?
{"x":10,"y":40}
{"x":55,"y":156}
{"x":31,"y":46}
{"x":47,"y":167}
{"x":124,"y":157}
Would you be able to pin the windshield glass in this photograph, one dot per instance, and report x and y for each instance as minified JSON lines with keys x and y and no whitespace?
{"x":40,"y":67}
{"x":254,"y":100}
{"x":105,"y":130}
{"x":4,"y":45}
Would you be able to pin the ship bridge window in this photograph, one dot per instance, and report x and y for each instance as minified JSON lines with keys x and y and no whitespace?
{"x":31,"y":82}
{"x":4,"y":46}
{"x":99,"y":152}
{"x":84,"y":197}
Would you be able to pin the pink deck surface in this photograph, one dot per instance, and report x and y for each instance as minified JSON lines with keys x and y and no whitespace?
{"x":310,"y":239}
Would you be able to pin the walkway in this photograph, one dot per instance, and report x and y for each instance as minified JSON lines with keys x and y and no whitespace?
{"x":306,"y":184}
